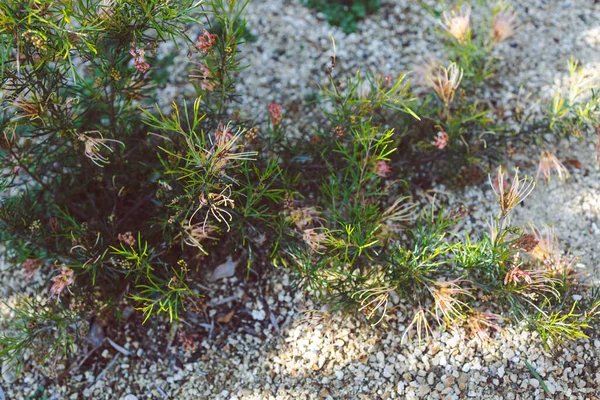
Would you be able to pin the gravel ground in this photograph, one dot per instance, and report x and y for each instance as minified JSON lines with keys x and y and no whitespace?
{"x":292,"y":352}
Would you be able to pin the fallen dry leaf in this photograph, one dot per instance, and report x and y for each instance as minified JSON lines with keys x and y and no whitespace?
{"x":225,"y":270}
{"x":574,"y":162}
{"x":226,"y":318}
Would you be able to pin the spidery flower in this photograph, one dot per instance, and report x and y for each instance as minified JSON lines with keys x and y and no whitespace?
{"x":458,"y":24}
{"x":382,"y":169}
{"x":61,"y":281}
{"x":503,"y":26}
{"x":514,"y":276}
{"x":372,"y":300}
{"x":216,"y":204}
{"x":549,"y":163}
{"x":94,"y":146}
{"x":138,"y":59}
{"x":509,"y":196}
{"x":441,"y":140}
{"x":314,"y":239}
{"x":547,"y":249}
{"x":420,"y":324}
{"x":206,"y":41}
{"x":448,"y":306}
{"x":445,"y":81}
{"x":532,"y":283}
{"x":224,"y":149}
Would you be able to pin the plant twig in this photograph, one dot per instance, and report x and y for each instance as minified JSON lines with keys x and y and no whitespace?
{"x":119,"y":348}
{"x":105,"y":370}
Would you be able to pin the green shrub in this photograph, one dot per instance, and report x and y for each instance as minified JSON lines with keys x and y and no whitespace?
{"x":121,"y":202}
{"x":115,"y":200}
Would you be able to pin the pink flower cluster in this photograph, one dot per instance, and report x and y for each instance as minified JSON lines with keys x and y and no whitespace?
{"x":441,"y":140}
{"x":138,"y":60}
{"x":513,"y":277}
{"x":206,"y":41}
{"x":275,"y":111}
{"x":382,"y":169}
{"x":62,"y":281}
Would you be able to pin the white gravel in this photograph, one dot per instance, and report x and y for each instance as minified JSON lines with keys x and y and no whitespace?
{"x":327,"y":355}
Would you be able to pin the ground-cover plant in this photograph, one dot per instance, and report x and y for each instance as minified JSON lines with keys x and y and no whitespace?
{"x":345,"y":13}
{"x":117,"y":201}
{"x":471,"y":31}
{"x":366,"y":239}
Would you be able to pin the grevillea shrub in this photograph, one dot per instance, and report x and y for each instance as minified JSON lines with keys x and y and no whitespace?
{"x":365,"y":239}
{"x":115,"y":201}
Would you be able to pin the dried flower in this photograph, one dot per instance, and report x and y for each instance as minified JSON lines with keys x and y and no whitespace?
{"x":549,"y":163}
{"x":275,"y":111}
{"x":138,"y":60}
{"x":514,"y":276}
{"x":216,"y":203}
{"x":63,"y":280}
{"x":29,"y":109}
{"x":441,"y":140}
{"x":423,"y":70}
{"x":198,"y":233}
{"x":53,"y":223}
{"x":535,"y":282}
{"x":314,"y":239}
{"x":526,"y":242}
{"x":445,"y":81}
{"x":382,"y":169}
{"x":400,"y":211}
{"x":373,"y":299}
{"x":126,"y":238}
{"x":420,"y":323}
{"x":339,"y":132}
{"x":502,"y":26}
{"x":547,"y":248}
{"x":480,"y":323}
{"x":510,"y":197}
{"x":93,"y":146}
{"x":206,"y":41}
{"x":458,"y":24}
{"x":204,"y":76}
{"x":448,"y":307}
{"x":30,"y":267}
{"x":302,"y":217}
